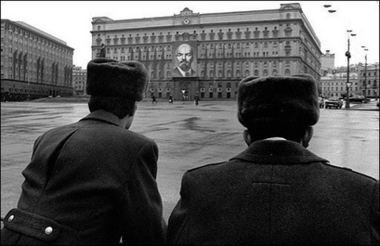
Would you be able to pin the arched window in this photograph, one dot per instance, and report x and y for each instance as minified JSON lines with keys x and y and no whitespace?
{"x":287,"y":72}
{"x":256,"y":72}
{"x":265,"y":73}
{"x":228,"y":73}
{"x":274,"y":72}
{"x":211,"y":74}
{"x":287,"y":16}
{"x":220,"y":74}
{"x":238,"y":75}
{"x":246,"y":73}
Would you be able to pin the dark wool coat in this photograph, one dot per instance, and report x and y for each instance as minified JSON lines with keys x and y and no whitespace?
{"x":91,"y":182}
{"x":275,"y":192}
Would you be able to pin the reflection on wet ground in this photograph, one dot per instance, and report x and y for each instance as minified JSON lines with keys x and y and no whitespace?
{"x":187,"y":135}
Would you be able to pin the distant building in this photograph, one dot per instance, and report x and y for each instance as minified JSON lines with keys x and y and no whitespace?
{"x":227,"y":47}
{"x":34,"y":63}
{"x":327,"y":62}
{"x":334,"y":84}
{"x":369,"y":81}
{"x":79,"y":80}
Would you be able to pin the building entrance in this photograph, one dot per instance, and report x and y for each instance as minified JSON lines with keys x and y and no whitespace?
{"x":185,"y":88}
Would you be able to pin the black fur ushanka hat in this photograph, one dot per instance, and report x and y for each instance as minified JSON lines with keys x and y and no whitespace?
{"x":269,"y":99}
{"x":111,"y":78}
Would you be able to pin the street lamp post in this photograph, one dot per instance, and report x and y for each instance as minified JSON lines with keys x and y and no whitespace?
{"x":348,"y":54}
{"x":376,"y":81}
{"x":365,"y":76}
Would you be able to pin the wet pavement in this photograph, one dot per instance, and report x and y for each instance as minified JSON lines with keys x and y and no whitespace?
{"x":187,"y":135}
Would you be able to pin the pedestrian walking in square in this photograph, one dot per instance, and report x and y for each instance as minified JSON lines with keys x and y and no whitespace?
{"x":154,"y":99}
{"x":196,"y":99}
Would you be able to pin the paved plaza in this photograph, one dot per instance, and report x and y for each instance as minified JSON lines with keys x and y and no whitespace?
{"x":187,"y":136}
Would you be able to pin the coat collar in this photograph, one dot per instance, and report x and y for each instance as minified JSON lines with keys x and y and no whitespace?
{"x":102,"y":115}
{"x":279,"y":152}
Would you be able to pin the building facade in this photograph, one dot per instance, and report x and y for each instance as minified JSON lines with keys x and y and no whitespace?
{"x":333,"y":84}
{"x":34,"y":64}
{"x":364,"y":81}
{"x":79,"y":80}
{"x":225,"y":48}
{"x":327,"y":62}
{"x":369,"y":77}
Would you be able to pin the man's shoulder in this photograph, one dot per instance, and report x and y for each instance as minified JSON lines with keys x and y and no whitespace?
{"x":206,"y":168}
{"x":348,"y":173}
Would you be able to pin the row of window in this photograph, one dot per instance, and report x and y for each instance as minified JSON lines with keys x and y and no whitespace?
{"x":220,"y":74}
{"x":186,"y":36}
{"x":33,"y":46}
{"x":369,"y":74}
{"x":229,"y":64}
{"x":338,"y":92}
{"x":372,"y":83}
{"x":18,"y":32}
{"x":209,"y":47}
{"x":202,"y":95}
{"x":19,"y":71}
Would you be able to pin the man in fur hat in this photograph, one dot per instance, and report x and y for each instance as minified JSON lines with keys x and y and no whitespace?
{"x":276,"y":191}
{"x":93,"y":181}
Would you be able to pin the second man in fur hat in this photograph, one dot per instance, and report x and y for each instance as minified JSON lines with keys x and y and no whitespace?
{"x":276,"y":192}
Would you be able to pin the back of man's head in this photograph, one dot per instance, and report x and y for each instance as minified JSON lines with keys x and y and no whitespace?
{"x":112,"y":83}
{"x":278,"y":106}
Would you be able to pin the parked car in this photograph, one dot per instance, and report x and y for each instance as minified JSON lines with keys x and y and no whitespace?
{"x":334,"y":102}
{"x":321,"y":102}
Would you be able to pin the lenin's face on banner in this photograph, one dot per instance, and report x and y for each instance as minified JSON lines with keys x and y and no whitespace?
{"x":185,"y":56}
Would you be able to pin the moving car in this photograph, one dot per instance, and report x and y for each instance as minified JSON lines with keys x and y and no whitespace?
{"x":334,"y":102}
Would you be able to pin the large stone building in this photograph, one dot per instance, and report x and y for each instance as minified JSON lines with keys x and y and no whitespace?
{"x":226,"y":48}
{"x":79,"y":80}
{"x":34,"y":64}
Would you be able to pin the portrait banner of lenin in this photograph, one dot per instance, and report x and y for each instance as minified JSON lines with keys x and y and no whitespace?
{"x":184,"y":59}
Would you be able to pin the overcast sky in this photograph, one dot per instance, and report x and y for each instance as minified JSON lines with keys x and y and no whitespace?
{"x":70,"y":21}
